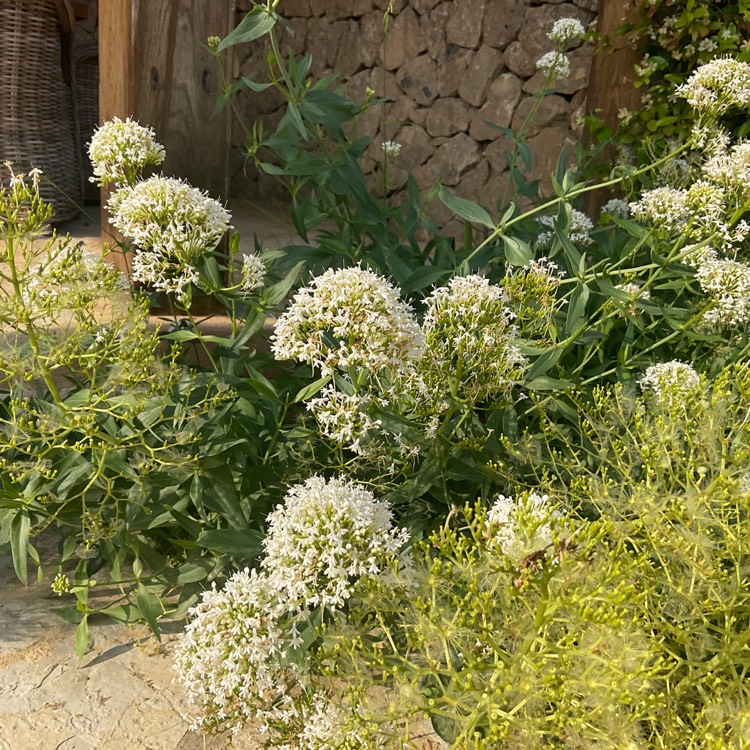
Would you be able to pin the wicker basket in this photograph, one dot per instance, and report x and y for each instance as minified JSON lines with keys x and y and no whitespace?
{"x":86,"y":70}
{"x":37,"y":127}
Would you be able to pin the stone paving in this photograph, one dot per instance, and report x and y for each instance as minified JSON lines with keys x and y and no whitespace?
{"x":121,"y":696}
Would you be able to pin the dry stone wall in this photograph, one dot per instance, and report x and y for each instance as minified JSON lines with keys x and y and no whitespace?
{"x":447,"y":68}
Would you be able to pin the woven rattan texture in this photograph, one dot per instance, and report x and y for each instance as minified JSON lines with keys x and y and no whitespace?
{"x":36,"y":116}
{"x":87,"y":91}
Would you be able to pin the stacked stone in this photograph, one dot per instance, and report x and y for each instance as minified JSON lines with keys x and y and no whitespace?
{"x":447,"y":68}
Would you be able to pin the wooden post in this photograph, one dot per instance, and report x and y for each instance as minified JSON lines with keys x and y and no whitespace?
{"x":612,"y":77}
{"x":154,"y":66}
{"x":116,"y":85}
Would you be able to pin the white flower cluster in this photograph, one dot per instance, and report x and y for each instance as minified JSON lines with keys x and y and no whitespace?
{"x":518,"y":528}
{"x":253,"y":273}
{"x":565,"y":30}
{"x":327,"y":726}
{"x":670,"y":382}
{"x":469,"y":340}
{"x":698,"y":212}
{"x":717,"y":86}
{"x":579,"y":232}
{"x":554,"y":64}
{"x":325,"y":537}
{"x":665,"y":207}
{"x":731,"y":170}
{"x":172,"y":224}
{"x":346,"y":418}
{"x":391,"y":148}
{"x":235,"y":656}
{"x":727,"y":282}
{"x":616,"y":208}
{"x":230,"y":655}
{"x":349,"y":317}
{"x":120,"y":149}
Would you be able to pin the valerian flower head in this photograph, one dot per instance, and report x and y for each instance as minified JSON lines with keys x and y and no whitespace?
{"x":616,"y":208}
{"x":698,"y":212}
{"x":230,"y":657}
{"x":727,"y":282}
{"x":579,"y":233}
{"x":171,"y":224}
{"x":521,"y":527}
{"x":253,"y":273}
{"x":664,"y":207}
{"x":326,"y":536}
{"x":120,"y":149}
{"x":718,"y":86}
{"x":565,"y":30}
{"x":328,"y":725}
{"x":349,"y":317}
{"x":670,"y":383}
{"x":731,"y":170}
{"x":469,"y":340}
{"x":347,"y":419}
{"x":554,"y":64}
{"x":391,"y":148}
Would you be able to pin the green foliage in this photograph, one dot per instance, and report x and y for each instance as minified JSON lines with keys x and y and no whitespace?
{"x":626,"y":626}
{"x":673,"y":38}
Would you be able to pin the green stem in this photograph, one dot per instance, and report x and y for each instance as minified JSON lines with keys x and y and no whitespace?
{"x":29,"y":326}
{"x":499,"y":230}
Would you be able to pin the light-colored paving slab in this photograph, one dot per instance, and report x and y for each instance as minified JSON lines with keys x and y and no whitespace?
{"x":121,"y":696}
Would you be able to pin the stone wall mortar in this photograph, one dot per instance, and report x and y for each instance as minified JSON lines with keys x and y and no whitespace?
{"x":447,"y":67}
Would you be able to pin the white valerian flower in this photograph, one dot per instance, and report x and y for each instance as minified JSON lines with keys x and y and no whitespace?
{"x":469,"y":340}
{"x":520,"y":527}
{"x":349,"y":317}
{"x":664,"y":207}
{"x":579,"y":233}
{"x":230,"y":657}
{"x":566,"y":29}
{"x":718,"y":85}
{"x":391,"y":148}
{"x":697,"y":255}
{"x":731,"y":170}
{"x":333,"y":725}
{"x":347,"y":418}
{"x":253,"y":273}
{"x":326,"y":536}
{"x":727,"y":282}
{"x":670,"y":382}
{"x":120,"y":149}
{"x":554,"y":64}
{"x":171,"y":224}
{"x":36,"y":176}
{"x":617,"y":208}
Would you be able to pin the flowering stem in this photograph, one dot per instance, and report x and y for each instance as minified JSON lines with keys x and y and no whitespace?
{"x":29,"y":325}
{"x":499,"y":230}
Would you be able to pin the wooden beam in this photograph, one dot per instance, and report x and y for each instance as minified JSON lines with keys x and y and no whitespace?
{"x":116,"y":85}
{"x":154,"y":66}
{"x":611,"y":81}
{"x":611,"y":84}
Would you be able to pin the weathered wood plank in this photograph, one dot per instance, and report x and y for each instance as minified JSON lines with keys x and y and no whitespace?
{"x":177,"y":82}
{"x":154,"y":66}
